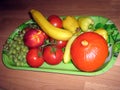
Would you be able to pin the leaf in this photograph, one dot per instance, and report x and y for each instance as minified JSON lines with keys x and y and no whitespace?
{"x":116,"y":48}
{"x":99,"y":21}
{"x":99,"y":25}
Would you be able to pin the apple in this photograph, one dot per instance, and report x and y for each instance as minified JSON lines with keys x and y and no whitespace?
{"x":34,"y":38}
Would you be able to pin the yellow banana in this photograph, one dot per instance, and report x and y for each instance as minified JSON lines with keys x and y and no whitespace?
{"x":84,"y":23}
{"x":67,"y":56}
{"x":48,"y":28}
{"x":70,"y":23}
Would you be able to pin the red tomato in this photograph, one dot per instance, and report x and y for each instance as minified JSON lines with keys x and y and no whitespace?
{"x":52,"y":55}
{"x":34,"y":38}
{"x":55,"y":20}
{"x":89,"y":51}
{"x":58,"y":43}
{"x":34,"y":58}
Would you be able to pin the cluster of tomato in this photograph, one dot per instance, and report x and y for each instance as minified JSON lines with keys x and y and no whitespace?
{"x":39,"y":52}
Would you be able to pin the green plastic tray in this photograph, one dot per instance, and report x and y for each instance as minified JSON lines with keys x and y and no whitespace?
{"x":100,"y":22}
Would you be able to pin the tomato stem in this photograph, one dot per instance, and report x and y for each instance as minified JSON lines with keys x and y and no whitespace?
{"x":53,"y":50}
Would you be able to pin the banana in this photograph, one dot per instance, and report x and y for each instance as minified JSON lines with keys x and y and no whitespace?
{"x":67,"y":56}
{"x":48,"y":28}
{"x":70,"y":23}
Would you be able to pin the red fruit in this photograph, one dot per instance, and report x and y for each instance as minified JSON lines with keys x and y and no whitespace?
{"x":45,"y":36}
{"x":33,"y":38}
{"x":34,"y":57}
{"x":58,"y":43}
{"x":52,"y":55}
{"x":55,"y":20}
{"x":89,"y":51}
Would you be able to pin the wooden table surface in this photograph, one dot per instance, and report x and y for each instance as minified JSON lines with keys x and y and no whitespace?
{"x":15,"y":12}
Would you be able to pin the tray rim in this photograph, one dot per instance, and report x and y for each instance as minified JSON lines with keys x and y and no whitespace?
{"x":106,"y":68}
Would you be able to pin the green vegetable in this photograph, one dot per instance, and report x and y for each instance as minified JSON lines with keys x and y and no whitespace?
{"x":99,"y":22}
{"x":116,"y":48}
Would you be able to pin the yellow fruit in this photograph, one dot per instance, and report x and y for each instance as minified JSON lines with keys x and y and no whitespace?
{"x":84,"y":23}
{"x":70,"y":23}
{"x":103,"y":33}
{"x":67,"y":56}
{"x":48,"y":28}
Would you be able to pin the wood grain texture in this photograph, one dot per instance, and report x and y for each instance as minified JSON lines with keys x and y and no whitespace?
{"x":13,"y":13}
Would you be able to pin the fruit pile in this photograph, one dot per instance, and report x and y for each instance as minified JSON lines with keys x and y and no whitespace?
{"x":54,"y":39}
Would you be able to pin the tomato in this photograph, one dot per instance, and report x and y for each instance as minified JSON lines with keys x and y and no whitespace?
{"x":34,"y":38}
{"x":34,"y":58}
{"x":58,"y":43}
{"x":52,"y":55}
{"x":61,"y":44}
{"x":55,"y":20}
{"x":89,"y":51}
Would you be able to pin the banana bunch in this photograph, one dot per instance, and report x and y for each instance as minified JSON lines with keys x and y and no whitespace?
{"x":49,"y":29}
{"x":70,"y":23}
{"x":84,"y":23}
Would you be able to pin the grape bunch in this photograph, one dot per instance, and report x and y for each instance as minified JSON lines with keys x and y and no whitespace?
{"x":16,"y":50}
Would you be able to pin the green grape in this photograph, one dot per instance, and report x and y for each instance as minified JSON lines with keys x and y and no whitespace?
{"x":15,"y":60}
{"x":15,"y":38}
{"x":18,"y":63}
{"x":16,"y":50}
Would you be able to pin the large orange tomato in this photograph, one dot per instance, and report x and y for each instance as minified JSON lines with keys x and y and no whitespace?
{"x":89,"y":51}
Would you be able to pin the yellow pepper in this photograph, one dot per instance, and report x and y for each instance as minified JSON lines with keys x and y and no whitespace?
{"x":84,"y":23}
{"x":103,"y":33}
{"x":70,"y":23}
